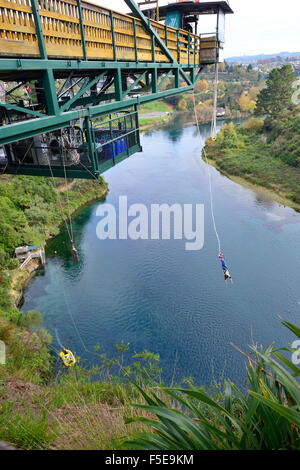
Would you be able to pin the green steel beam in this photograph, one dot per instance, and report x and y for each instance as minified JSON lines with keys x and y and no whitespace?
{"x":48,"y":78}
{"x":177,"y":81}
{"x":90,"y":142}
{"x":154,"y":82}
{"x":21,"y":110}
{"x":118,"y":85}
{"x":40,"y":65}
{"x":85,"y":57}
{"x":134,"y":8}
{"x":38,"y":28}
{"x":50,"y":92}
{"x":135,"y":41}
{"x":164,"y":80}
{"x":136,"y":82}
{"x":95,"y":105}
{"x":57,"y":172}
{"x":113,"y":36}
{"x":86,"y":86}
{"x":23,"y":130}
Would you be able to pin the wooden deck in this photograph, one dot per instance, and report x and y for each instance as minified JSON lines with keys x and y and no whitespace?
{"x":109,"y":36}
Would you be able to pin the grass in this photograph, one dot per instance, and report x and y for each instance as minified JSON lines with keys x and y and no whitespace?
{"x":43,"y":408}
{"x":153,"y":121}
{"x":112,"y":406}
{"x":147,"y":123}
{"x":253,"y":162}
{"x":155,"y":107}
{"x":263,"y":416}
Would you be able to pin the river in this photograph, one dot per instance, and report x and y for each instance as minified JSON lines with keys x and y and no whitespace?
{"x":156,"y":295}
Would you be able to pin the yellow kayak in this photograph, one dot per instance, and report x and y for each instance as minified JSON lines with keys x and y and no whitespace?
{"x":67,"y":357}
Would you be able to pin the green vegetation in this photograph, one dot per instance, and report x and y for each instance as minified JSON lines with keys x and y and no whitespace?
{"x":265,"y":151}
{"x":30,"y":214}
{"x":237,"y":93}
{"x":151,"y":122}
{"x":263,"y":417}
{"x":112,"y":405}
{"x":276,"y":97}
{"x":153,"y":114}
{"x":155,"y":107}
{"x":47,"y":407}
{"x":76,"y":408}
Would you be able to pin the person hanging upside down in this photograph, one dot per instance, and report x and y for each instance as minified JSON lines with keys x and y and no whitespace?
{"x":226,"y":271}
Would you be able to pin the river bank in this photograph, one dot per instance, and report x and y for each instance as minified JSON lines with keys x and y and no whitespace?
{"x":119,"y":296}
{"x":244,"y":181}
{"x":80,"y":193}
{"x":247,"y":157}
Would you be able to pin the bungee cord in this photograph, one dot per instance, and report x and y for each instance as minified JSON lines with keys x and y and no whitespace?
{"x":213,"y":135}
{"x":210,"y":183}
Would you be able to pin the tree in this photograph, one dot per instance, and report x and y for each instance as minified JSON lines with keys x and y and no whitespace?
{"x":204,"y":112}
{"x":254,"y":124}
{"x":276,"y":97}
{"x":244,"y":101}
{"x":182,"y":106}
{"x":253,"y":92}
{"x":201,"y":86}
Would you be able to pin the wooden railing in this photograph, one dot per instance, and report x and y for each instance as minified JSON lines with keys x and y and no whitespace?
{"x":108,"y":35}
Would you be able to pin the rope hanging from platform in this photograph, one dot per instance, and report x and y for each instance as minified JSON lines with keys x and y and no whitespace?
{"x":213,"y":135}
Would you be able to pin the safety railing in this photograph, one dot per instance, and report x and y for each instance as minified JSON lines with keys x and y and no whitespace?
{"x":85,"y":31}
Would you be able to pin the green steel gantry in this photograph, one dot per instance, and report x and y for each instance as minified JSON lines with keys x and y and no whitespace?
{"x":107,"y":94}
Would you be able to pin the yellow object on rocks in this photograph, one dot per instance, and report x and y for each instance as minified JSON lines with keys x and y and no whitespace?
{"x":67,"y":357}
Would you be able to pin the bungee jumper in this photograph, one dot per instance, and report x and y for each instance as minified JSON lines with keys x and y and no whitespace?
{"x":226,"y":271}
{"x":75,"y":256}
{"x":213,"y":135}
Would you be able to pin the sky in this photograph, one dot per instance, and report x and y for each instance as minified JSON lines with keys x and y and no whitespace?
{"x":257,"y":27}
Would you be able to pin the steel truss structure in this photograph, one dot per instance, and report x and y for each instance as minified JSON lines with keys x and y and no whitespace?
{"x":83,"y":92}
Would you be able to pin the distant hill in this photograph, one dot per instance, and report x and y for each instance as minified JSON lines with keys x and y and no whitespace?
{"x":255,"y":58}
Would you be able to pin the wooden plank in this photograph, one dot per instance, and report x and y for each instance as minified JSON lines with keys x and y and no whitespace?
{"x":17,"y":28}
{"x":58,"y":16}
{"x":62,"y":35}
{"x":14,"y":6}
{"x":17,"y":48}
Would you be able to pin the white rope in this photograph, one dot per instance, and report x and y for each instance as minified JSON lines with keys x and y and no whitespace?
{"x":213,"y":129}
{"x":213,"y":126}
{"x":212,"y":204}
{"x":67,"y":190}
{"x":59,"y":199}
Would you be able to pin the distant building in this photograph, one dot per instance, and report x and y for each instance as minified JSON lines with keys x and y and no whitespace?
{"x":221,"y":112}
{"x":26,"y":253}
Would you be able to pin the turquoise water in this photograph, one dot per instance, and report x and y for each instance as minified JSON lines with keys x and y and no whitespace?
{"x":156,"y":295}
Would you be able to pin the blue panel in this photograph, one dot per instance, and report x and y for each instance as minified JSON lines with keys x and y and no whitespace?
{"x":174,"y":19}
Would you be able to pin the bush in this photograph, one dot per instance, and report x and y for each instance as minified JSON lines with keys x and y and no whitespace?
{"x":254,"y":124}
{"x":31,"y":320}
{"x":265,"y":417}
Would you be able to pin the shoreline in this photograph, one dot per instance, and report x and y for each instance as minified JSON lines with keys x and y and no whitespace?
{"x":280,"y":199}
{"x":24,"y":277}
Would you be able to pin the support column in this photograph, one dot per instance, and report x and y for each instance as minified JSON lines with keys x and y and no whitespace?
{"x":91,"y":145}
{"x":154,"y":81}
{"x":113,"y":35}
{"x":82,"y":30}
{"x":118,"y":85}
{"x":177,"y":81}
{"x":48,"y":77}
